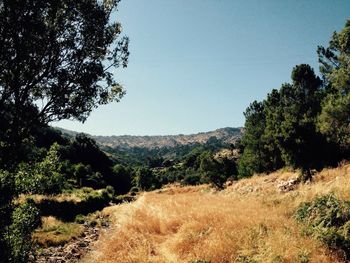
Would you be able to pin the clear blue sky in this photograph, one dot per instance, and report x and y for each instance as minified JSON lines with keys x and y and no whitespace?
{"x":195,"y":65}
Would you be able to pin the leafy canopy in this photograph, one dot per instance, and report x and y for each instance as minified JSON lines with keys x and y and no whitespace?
{"x":58,"y":56}
{"x":334,"y":120}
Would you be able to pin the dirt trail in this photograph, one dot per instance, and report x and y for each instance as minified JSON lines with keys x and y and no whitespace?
{"x":119,"y":215}
{"x":124,"y":215}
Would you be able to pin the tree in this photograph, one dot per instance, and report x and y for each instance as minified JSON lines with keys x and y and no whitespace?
{"x":56,"y":60}
{"x":85,"y":150}
{"x":44,"y":177}
{"x":256,"y":155}
{"x":121,"y":179}
{"x":282,"y":129}
{"x":212,"y":170}
{"x":334,"y":121}
{"x":144,"y":179}
{"x":291,"y":121}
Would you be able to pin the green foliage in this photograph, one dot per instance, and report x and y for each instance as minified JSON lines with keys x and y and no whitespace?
{"x":121,"y":179}
{"x":335,"y":62}
{"x":7,"y":191}
{"x":282,"y":131}
{"x":134,"y":190}
{"x":66,"y":54}
{"x":80,"y":219}
{"x":110,"y":190}
{"x":63,"y":60}
{"x":304,"y":124}
{"x":212,"y":169}
{"x":82,"y":173}
{"x":328,"y":219}
{"x":145,"y":179}
{"x":248,"y":163}
{"x":334,"y":117}
{"x":25,"y":219}
{"x":193,"y":178}
{"x":43,"y":177}
{"x":324,"y":211}
{"x":69,"y":77}
{"x":91,"y":201}
{"x":254,"y":155}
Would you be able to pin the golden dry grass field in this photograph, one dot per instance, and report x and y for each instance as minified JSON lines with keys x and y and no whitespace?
{"x":249,"y":221}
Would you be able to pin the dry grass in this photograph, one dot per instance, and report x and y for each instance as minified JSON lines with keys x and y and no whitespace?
{"x":54,"y":232}
{"x":250,"y":221}
{"x":74,"y":196}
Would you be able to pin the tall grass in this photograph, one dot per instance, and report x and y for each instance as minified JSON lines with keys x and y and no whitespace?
{"x":250,"y":221}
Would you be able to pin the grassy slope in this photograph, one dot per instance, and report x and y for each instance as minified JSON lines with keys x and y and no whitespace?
{"x":250,"y":221}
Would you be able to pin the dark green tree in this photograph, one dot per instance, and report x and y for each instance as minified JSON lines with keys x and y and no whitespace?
{"x":213,"y":171}
{"x":144,"y":179}
{"x":56,"y":60}
{"x":282,"y":129}
{"x":85,"y":150}
{"x":291,"y":115}
{"x":334,"y":121}
{"x":121,"y":179}
{"x":256,"y":156}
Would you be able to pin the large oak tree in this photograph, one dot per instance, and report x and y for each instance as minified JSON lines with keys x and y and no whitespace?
{"x":57,"y":60}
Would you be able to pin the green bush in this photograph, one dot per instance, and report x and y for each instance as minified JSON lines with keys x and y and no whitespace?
{"x":44,"y":177}
{"x":16,"y":223}
{"x":6,"y":194}
{"x":327,"y":219}
{"x":25,"y":219}
{"x":80,"y":219}
{"x":192,"y":179}
{"x":110,"y":190}
{"x":324,"y":211}
{"x":134,"y":190}
{"x":91,"y":201}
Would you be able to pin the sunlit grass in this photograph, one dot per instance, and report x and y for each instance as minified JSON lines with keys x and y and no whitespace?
{"x":54,"y":232}
{"x":250,"y":221}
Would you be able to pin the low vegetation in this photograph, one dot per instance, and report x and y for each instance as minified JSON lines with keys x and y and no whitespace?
{"x":54,"y":232}
{"x":251,"y":220}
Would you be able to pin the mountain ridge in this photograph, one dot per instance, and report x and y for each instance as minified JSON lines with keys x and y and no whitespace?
{"x":227,"y":135}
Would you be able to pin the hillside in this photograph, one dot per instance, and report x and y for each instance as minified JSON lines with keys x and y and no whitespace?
{"x":226,"y":135}
{"x":252,"y":220}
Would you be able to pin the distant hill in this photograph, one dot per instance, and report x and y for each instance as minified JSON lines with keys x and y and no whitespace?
{"x":225,"y":135}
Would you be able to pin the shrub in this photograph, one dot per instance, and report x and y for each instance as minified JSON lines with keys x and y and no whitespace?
{"x":328,"y":219}
{"x":41,"y":178}
{"x":216,"y":179}
{"x":67,"y":210}
{"x":6,"y":195}
{"x":324,"y":211}
{"x":192,"y":179}
{"x":134,"y":189}
{"x":80,"y":219}
{"x":25,"y":219}
{"x":54,"y":232}
{"x":110,"y":190}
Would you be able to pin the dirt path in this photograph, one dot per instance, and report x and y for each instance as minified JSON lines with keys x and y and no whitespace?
{"x":119,"y":215}
{"x":122,"y":216}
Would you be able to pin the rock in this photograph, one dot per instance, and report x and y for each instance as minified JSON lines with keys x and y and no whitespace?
{"x":74,"y":250}
{"x":105,"y":224}
{"x":83,"y":243}
{"x":286,"y":186}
